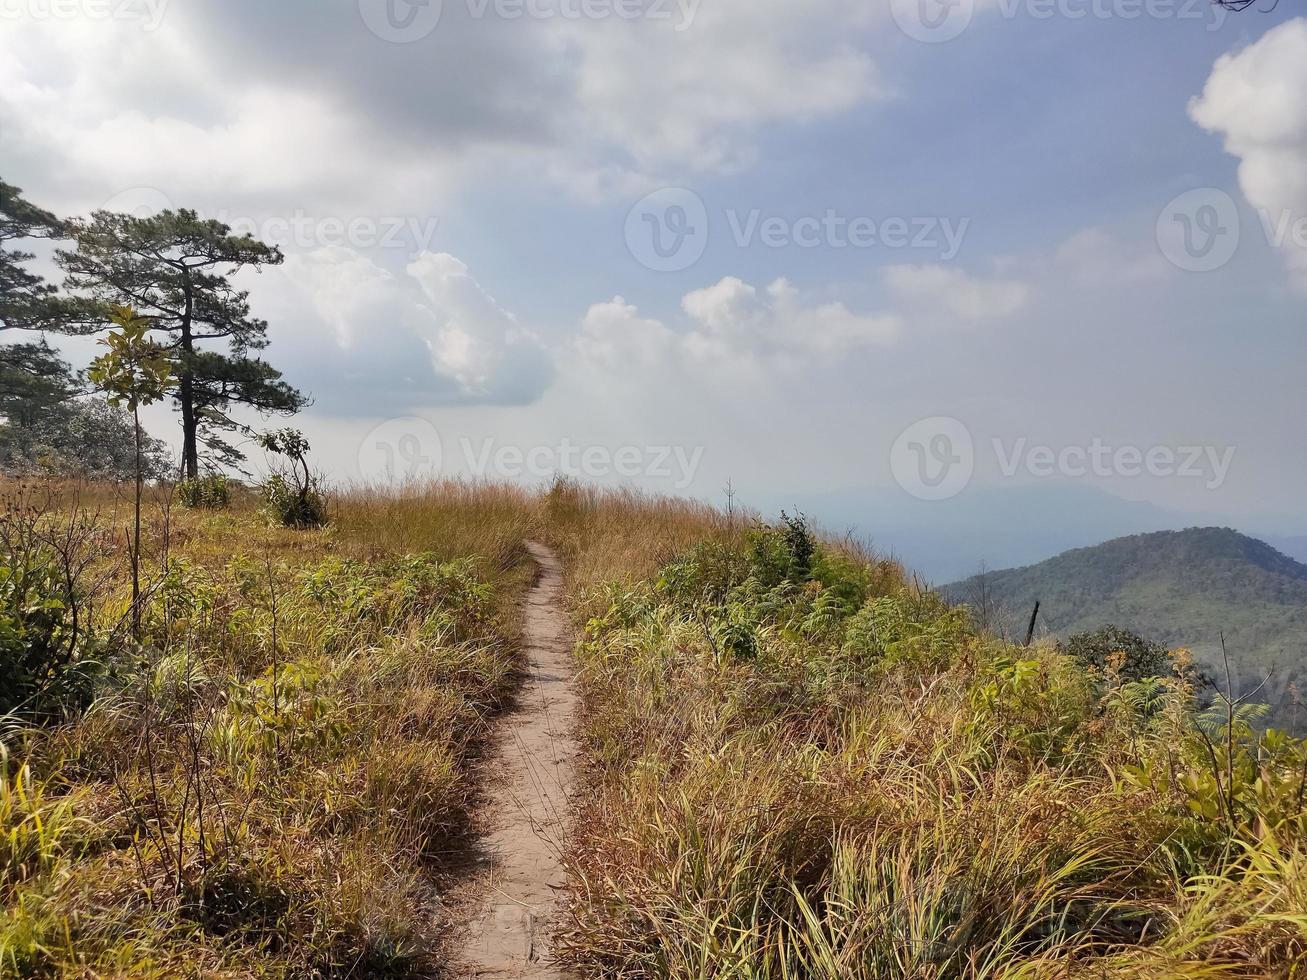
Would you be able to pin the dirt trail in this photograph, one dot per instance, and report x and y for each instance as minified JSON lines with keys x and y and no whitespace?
{"x":531,"y":771}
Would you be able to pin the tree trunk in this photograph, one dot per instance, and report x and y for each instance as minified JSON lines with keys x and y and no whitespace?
{"x":136,"y":536}
{"x":190,"y":426}
{"x":186,"y":393}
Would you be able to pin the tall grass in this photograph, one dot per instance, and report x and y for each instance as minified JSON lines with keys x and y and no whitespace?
{"x":798,"y":764}
{"x":812,"y":769}
{"x":277,"y":782}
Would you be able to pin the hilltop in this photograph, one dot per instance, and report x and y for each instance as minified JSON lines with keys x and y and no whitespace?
{"x":1182,"y":588}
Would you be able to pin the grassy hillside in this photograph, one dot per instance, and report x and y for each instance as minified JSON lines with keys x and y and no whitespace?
{"x":278,"y":778}
{"x":1181,"y":588}
{"x":265,"y":784}
{"x":804,"y":767}
{"x":797,"y":764}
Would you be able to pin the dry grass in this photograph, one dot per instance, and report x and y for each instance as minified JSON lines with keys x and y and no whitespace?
{"x":609,"y":538}
{"x":827,"y":775}
{"x":274,"y":781}
{"x":798,"y":764}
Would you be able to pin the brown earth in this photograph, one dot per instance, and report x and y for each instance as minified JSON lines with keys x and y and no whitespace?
{"x":531,"y":768}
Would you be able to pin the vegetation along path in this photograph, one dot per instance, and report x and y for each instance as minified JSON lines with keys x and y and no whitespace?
{"x":531,"y":772}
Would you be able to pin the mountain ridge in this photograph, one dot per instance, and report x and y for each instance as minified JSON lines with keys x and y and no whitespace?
{"x":1193,"y":588}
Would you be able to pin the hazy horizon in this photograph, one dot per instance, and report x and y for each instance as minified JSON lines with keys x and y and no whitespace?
{"x":672,"y":245}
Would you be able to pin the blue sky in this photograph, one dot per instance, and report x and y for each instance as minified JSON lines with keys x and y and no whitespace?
{"x":515,"y":318}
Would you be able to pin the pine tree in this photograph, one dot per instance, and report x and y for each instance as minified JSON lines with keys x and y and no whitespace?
{"x":175,"y":271}
{"x":26,"y":301}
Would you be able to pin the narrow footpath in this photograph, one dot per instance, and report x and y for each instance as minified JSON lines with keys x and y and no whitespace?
{"x":530,"y":769}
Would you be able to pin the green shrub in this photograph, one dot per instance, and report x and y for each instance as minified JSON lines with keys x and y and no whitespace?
{"x":1139,"y":658}
{"x":294,"y":494}
{"x":782,"y":553}
{"x":911,"y":628}
{"x":303,"y":507}
{"x":42,"y":671}
{"x":705,"y":574}
{"x":212,"y":492}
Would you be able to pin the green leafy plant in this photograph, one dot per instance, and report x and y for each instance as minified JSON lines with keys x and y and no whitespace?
{"x":293,"y":494}
{"x":211,"y":492}
{"x":1114,"y":648}
{"x":135,"y":371}
{"x":39,"y":640}
{"x":909,"y":628}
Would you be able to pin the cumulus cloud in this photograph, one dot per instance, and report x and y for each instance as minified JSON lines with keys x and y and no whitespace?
{"x":1093,"y":257}
{"x":91,"y":113}
{"x":733,"y":323}
{"x":299,"y":99}
{"x":1254,"y":99}
{"x":690,"y":95}
{"x":368,"y":342}
{"x":939,"y":289}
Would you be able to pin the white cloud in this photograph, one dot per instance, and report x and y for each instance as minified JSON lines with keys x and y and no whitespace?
{"x":431,"y":337}
{"x":733,"y":324}
{"x":1255,"y":99}
{"x":938,"y":289}
{"x":298,"y":102}
{"x":93,"y":113}
{"x":613,"y":335}
{"x":476,"y":341}
{"x":1093,"y":257}
{"x":692,"y":98}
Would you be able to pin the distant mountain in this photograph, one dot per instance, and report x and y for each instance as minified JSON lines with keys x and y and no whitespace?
{"x":1004,"y":526}
{"x":997,"y":527}
{"x":1182,"y":588}
{"x":1293,"y":545}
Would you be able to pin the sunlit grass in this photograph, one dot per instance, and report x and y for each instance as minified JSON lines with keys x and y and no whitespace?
{"x":797,"y":764}
{"x":789,"y":784}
